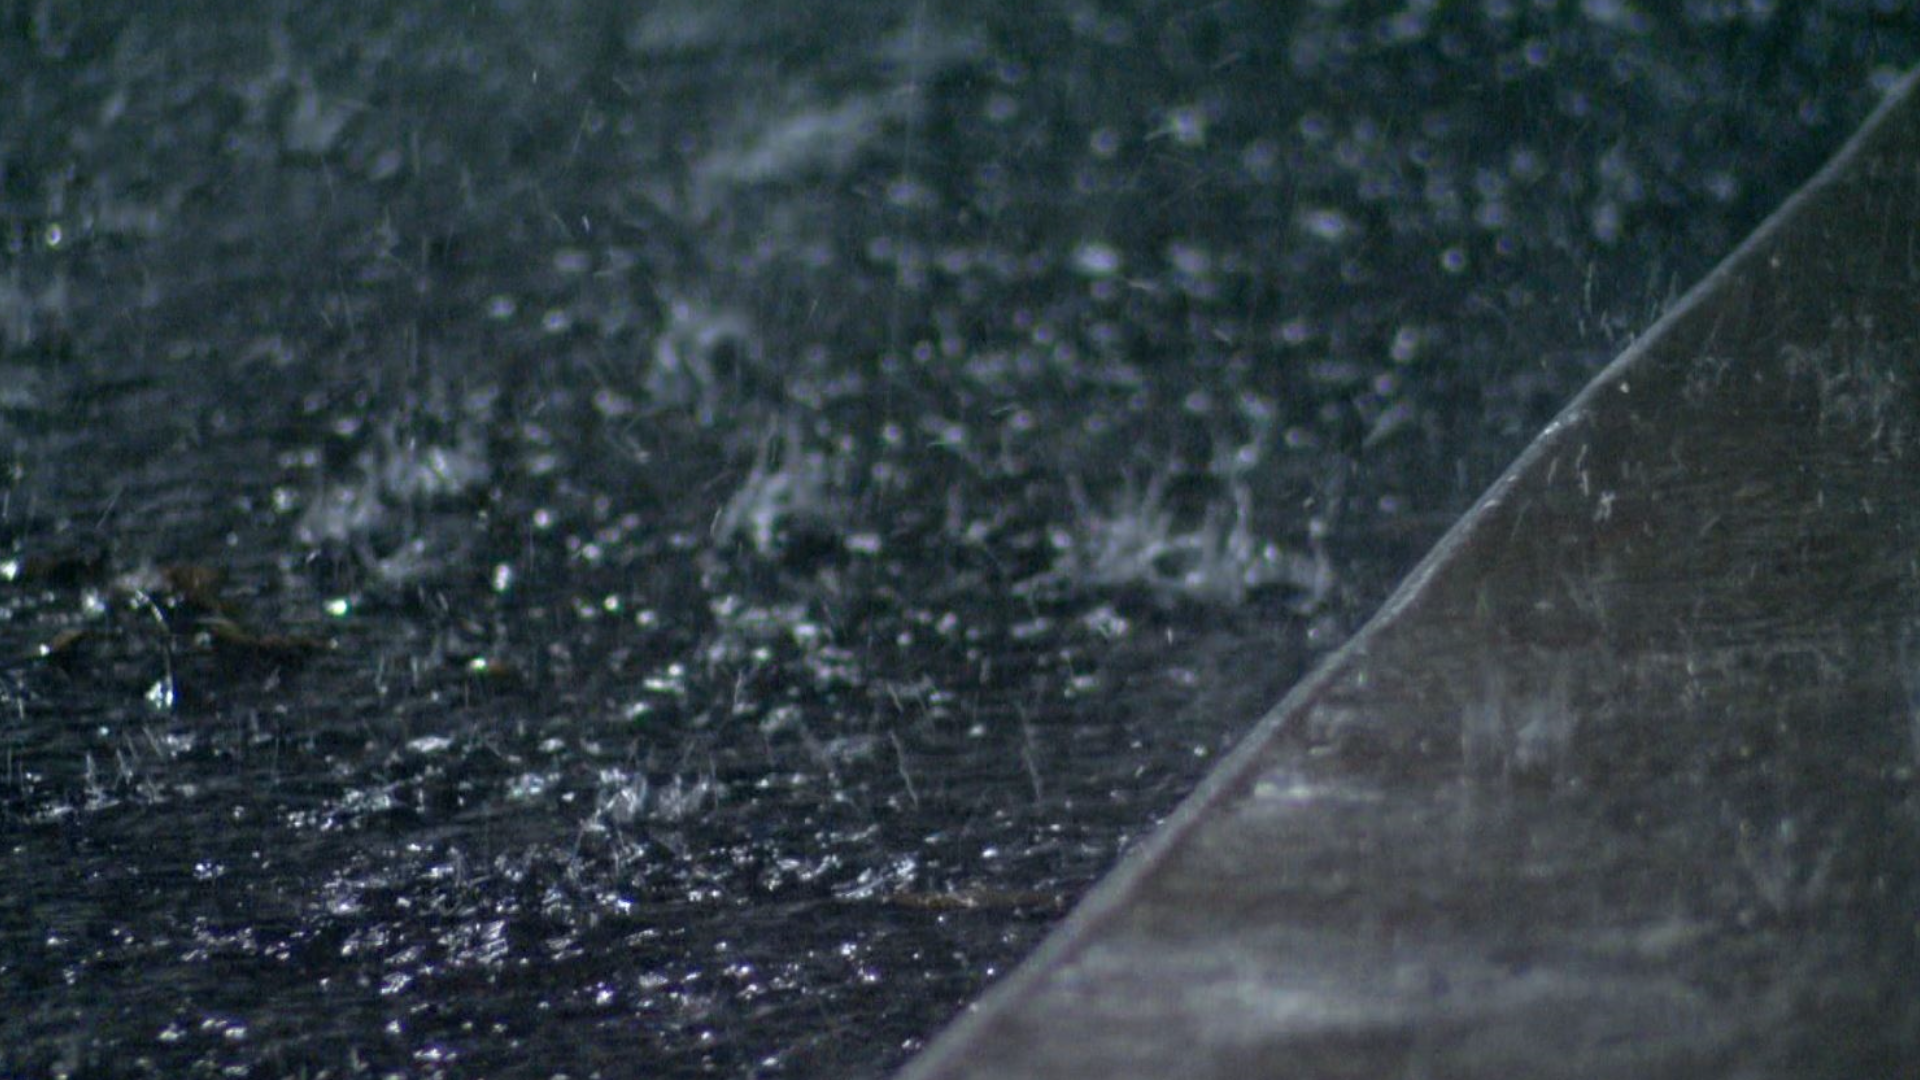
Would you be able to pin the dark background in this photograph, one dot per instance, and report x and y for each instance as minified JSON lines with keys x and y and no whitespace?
{"x":675,"y":539}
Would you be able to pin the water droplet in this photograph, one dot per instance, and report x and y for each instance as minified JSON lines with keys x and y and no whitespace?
{"x":160,"y":695}
{"x":430,"y":744}
{"x":1096,"y":259}
{"x":1326,"y":223}
{"x":1187,"y":125}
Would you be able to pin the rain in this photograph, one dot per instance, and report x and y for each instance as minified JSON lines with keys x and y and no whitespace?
{"x":595,"y":539}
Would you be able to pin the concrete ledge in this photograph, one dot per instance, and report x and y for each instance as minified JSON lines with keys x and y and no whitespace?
{"x":1621,"y":782}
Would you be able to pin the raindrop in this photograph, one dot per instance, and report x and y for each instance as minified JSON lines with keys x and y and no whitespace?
{"x":1406,"y":345}
{"x":1096,"y":259}
{"x":160,"y":695}
{"x":1187,"y":125}
{"x":1606,"y":222}
{"x":430,"y":744}
{"x":1326,"y":223}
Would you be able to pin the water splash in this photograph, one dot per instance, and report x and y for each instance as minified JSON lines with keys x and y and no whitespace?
{"x":1138,"y":541}
{"x":790,"y":488}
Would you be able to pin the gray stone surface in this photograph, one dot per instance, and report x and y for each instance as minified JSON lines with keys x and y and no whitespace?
{"x":1621,"y":782}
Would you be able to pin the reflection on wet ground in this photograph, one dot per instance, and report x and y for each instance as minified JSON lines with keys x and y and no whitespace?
{"x":680,"y":541}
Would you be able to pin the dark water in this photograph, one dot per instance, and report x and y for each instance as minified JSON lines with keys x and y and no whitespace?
{"x":674,"y":540}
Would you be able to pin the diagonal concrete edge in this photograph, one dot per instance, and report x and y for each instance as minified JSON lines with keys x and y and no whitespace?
{"x":1621,"y":781}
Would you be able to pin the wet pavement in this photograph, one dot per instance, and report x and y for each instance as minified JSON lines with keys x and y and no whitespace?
{"x":1622,"y":782}
{"x":571,"y":539}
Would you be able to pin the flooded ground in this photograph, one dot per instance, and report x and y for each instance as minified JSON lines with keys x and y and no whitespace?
{"x":595,"y":540}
